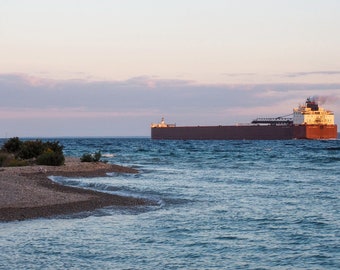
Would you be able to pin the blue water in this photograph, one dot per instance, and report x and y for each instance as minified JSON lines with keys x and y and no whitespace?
{"x":219,"y":205}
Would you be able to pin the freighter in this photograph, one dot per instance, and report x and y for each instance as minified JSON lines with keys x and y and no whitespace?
{"x":309,"y":121}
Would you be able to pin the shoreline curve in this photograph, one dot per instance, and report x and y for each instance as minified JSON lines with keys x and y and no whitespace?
{"x":28,"y":193}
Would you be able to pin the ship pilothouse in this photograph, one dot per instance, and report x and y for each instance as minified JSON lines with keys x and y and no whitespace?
{"x":162,"y":124}
{"x":311,"y":114}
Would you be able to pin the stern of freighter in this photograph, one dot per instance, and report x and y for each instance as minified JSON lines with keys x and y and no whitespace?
{"x":313,"y":122}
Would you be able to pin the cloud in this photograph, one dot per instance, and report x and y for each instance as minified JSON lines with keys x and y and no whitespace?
{"x":239,"y":74}
{"x":69,"y":113}
{"x":308,"y":73}
{"x":129,"y":106}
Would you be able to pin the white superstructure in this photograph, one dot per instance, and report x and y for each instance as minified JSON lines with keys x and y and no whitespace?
{"x":162,"y":124}
{"x":311,"y":114}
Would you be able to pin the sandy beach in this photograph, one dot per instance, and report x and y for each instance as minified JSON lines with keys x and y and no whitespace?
{"x":27,"y":192}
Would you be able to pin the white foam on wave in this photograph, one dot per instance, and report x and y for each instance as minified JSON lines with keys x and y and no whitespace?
{"x":108,"y":155}
{"x":92,"y":184}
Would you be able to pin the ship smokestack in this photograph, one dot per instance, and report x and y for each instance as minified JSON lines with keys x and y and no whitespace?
{"x":312,"y":104}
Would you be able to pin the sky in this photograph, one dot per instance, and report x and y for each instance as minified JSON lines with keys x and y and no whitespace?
{"x":112,"y":67}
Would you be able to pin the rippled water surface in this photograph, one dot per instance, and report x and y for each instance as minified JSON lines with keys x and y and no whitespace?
{"x":219,"y":205}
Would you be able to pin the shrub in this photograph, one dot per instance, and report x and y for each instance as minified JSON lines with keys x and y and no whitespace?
{"x":50,"y":158}
{"x":31,"y":149}
{"x":18,"y":153}
{"x":86,"y":158}
{"x":54,"y":146}
{"x":97,"y":156}
{"x":91,"y":157}
{"x":12,"y":145}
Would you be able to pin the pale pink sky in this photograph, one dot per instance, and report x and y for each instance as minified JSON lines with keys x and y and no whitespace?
{"x":107,"y":68}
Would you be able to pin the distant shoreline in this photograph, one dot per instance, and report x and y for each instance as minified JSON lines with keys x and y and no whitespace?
{"x":27,"y":192}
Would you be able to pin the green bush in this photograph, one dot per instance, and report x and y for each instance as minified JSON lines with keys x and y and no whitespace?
{"x":29,"y":152}
{"x":12,"y":145}
{"x":31,"y":149}
{"x":50,"y":158}
{"x":91,"y":157}
{"x":54,"y":146}
{"x":97,"y":156}
{"x":86,"y":158}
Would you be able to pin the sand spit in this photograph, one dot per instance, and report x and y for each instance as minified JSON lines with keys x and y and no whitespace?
{"x":27,"y":192}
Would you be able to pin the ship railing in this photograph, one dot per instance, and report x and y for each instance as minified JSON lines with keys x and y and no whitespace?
{"x":273,"y":121}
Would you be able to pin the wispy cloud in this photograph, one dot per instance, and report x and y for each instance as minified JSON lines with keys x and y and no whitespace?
{"x":239,"y":74}
{"x":308,"y":73}
{"x":21,"y":91}
{"x":68,"y":113}
{"x":141,"y":100}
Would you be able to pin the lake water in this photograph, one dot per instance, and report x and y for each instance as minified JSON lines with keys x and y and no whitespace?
{"x":219,"y":205}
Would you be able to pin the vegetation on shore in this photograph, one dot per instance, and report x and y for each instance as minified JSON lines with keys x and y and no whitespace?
{"x":91,"y":157}
{"x":15,"y":152}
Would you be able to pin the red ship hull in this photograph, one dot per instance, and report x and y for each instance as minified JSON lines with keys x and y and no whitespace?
{"x":315,"y":132}
{"x":247,"y":132}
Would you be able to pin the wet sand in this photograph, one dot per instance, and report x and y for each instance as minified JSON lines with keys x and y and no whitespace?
{"x":27,"y":192}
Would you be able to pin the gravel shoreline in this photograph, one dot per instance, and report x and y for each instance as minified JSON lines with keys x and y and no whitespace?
{"x":27,"y":192}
